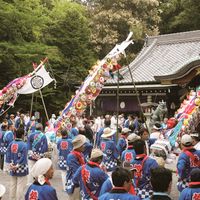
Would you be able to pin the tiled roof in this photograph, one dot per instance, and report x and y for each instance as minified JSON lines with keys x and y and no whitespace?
{"x":162,"y":55}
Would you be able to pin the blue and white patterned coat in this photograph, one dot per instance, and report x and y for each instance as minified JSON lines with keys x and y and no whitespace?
{"x":17,"y":154}
{"x":110,"y":154}
{"x":41,"y":192}
{"x":64,"y":147}
{"x":37,"y":144}
{"x":95,"y":177}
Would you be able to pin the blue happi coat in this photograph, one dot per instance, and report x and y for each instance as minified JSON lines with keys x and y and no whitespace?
{"x":128,"y":155}
{"x":37,"y":144}
{"x":185,"y":165}
{"x":3,"y":149}
{"x":106,"y":187}
{"x":94,"y":177}
{"x":122,"y":144}
{"x":118,"y":194}
{"x":64,"y":147}
{"x":142,"y":175}
{"x":17,"y":154}
{"x":8,"y":137}
{"x":41,"y":192}
{"x":73,"y":164}
{"x":192,"y":192}
{"x":110,"y":154}
{"x":73,"y":133}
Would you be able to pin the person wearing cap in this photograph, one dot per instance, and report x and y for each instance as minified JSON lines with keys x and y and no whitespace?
{"x":121,"y":179}
{"x":123,"y":142}
{"x":16,"y":158}
{"x":75,"y":159}
{"x":157,"y":131}
{"x":90,"y":176}
{"x":193,"y":191}
{"x":188,"y":159}
{"x":142,"y":164}
{"x":37,"y":147}
{"x":196,"y":140}
{"x":41,"y":188}
{"x":109,"y":149}
{"x":128,"y":155}
{"x":2,"y":190}
{"x":64,"y":146}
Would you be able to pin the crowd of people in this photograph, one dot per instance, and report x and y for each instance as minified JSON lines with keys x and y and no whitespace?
{"x":99,"y":158}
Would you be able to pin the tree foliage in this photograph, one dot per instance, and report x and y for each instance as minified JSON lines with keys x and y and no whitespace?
{"x":179,"y":15}
{"x":112,"y":20}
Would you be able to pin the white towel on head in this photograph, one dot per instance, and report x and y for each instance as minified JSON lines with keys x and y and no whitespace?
{"x":41,"y":167}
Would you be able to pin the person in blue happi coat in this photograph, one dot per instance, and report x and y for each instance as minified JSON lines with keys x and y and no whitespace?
{"x":122,"y":182}
{"x":3,"y":149}
{"x":37,"y":147}
{"x":107,"y":123}
{"x":123,"y":142}
{"x":142,"y":165}
{"x":75,"y":159}
{"x":193,"y":190}
{"x":41,"y":188}
{"x":64,"y":146}
{"x":90,"y":176}
{"x":16,"y":158}
{"x":128,"y":155}
{"x":188,"y":159}
{"x":111,"y":155}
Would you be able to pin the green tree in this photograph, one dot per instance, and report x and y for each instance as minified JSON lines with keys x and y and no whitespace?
{"x":112,"y":20}
{"x":179,"y":15}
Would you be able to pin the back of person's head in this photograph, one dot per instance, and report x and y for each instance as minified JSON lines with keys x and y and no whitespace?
{"x":160,"y":179}
{"x":120,"y":176}
{"x":19,"y":133}
{"x":195,"y":175}
{"x":39,"y":127}
{"x":107,"y":122}
{"x":139,"y":146}
{"x":64,"y":132}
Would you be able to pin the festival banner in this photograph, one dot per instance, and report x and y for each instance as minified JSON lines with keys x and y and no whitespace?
{"x":39,"y":80}
{"x":93,"y":84}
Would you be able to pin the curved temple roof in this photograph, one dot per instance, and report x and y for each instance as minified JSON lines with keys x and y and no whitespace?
{"x":164,"y":57}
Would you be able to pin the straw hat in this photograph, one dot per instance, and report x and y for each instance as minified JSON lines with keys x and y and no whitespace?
{"x":78,"y":141}
{"x":107,"y":132}
{"x":2,"y":190}
{"x":96,"y":153}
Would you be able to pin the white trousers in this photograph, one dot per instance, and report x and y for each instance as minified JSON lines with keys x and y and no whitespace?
{"x":30,"y":166}
{"x":17,"y":187}
{"x":63,"y":176}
